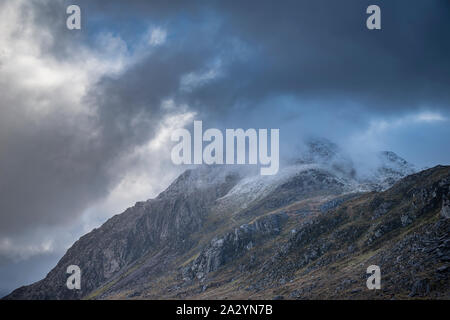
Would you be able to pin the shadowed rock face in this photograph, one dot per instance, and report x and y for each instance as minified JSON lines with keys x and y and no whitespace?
{"x":293,"y":238}
{"x":223,"y":250}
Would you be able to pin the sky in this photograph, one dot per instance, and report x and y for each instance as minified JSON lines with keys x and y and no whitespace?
{"x":86,"y":115}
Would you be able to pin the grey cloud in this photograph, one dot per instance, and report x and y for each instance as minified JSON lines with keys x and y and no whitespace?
{"x":310,"y":49}
{"x":54,"y":167}
{"x":322,"y":49}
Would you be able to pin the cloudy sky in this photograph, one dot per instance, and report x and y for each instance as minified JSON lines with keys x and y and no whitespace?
{"x":86,"y":115}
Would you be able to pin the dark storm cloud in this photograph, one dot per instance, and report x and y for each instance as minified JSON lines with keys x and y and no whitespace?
{"x":318,"y":48}
{"x":323,"y":49}
{"x":49,"y":174}
{"x":307,"y":48}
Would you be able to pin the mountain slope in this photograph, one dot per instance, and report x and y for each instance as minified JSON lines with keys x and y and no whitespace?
{"x":308,"y":233}
{"x":404,"y":230}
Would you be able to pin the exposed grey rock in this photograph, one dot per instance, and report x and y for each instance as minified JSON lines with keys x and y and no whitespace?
{"x":445,"y":211}
{"x":234,"y":244}
{"x":420,"y":288}
{"x":406,"y":219}
{"x":381,"y":210}
{"x":334,"y":203}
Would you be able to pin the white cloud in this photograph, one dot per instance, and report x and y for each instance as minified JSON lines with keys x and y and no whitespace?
{"x":157,"y":36}
{"x":20,"y":249}
{"x":379,"y":132}
{"x":381,"y":126}
{"x":197,"y":79}
{"x":429,"y":117}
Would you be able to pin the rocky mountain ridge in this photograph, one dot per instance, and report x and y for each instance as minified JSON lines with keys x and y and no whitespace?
{"x":220,"y":233}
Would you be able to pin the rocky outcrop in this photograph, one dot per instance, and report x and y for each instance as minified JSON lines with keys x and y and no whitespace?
{"x":223,"y":250}
{"x":445,"y":211}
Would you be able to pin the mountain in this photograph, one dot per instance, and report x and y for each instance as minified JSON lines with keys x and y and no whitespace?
{"x":310,"y":231}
